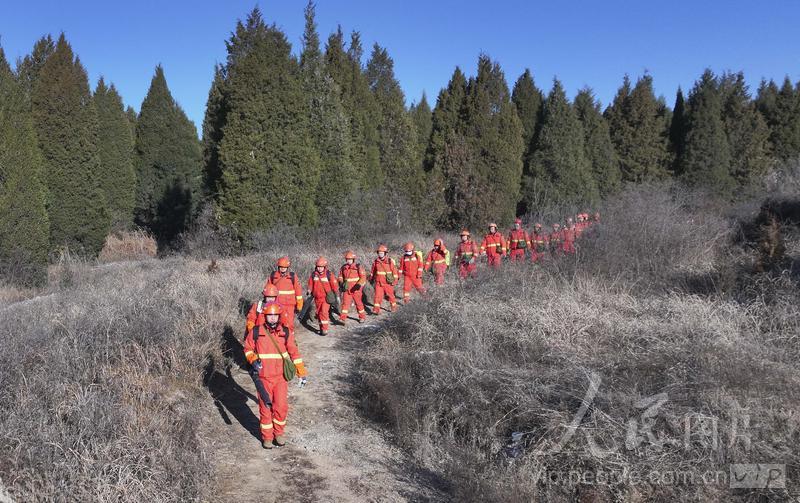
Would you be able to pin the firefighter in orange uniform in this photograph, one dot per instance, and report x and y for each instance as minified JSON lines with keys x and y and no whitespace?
{"x":436,"y":261}
{"x":352,"y":279}
{"x":466,"y":255}
{"x":290,"y":293}
{"x":255,"y":315}
{"x":568,"y":234}
{"x":540,"y":242}
{"x":384,"y":277}
{"x":494,"y":246}
{"x":556,"y":240}
{"x":412,"y":268}
{"x":265,"y":347}
{"x":321,"y":285}
{"x":518,"y":241}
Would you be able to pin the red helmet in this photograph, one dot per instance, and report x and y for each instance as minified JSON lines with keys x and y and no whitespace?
{"x":538,"y":225}
{"x":382,"y":248}
{"x":408,"y":246}
{"x":349,"y":255}
{"x":437,"y":242}
{"x":272,"y":308}
{"x":518,"y":221}
{"x":321,"y":262}
{"x":465,"y":232}
{"x":270,"y":290}
{"x":284,"y":262}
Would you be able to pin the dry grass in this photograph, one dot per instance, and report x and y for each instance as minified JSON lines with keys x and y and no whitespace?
{"x":134,"y":245}
{"x":516,"y":352}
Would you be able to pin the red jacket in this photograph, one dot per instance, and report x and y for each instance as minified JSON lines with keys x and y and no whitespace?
{"x":436,"y":258}
{"x":380,"y":268}
{"x":518,"y":239}
{"x":540,"y":242}
{"x":493,"y":244}
{"x":466,"y":251}
{"x":289,"y":290}
{"x":271,"y":359}
{"x":320,"y":284}
{"x":350,"y":275}
{"x":412,"y":266}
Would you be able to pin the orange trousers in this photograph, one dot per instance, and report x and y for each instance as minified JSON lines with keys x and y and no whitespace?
{"x":466,"y":269}
{"x":518,"y":254}
{"x":494,"y":259}
{"x":356,"y":297}
{"x":273,"y":420}
{"x":384,"y":290}
{"x":410,"y":282}
{"x":287,"y":315}
{"x":438,"y":274}
{"x":323,"y":314}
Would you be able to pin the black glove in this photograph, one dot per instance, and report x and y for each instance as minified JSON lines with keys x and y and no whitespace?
{"x":257,"y":366}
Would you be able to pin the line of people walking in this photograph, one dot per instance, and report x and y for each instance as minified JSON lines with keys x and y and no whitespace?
{"x":270,"y":347}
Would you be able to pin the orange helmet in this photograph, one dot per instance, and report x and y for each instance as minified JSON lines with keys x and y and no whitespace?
{"x":556,"y":226}
{"x":408,"y":246}
{"x":284,"y":262}
{"x":538,"y":225}
{"x":272,"y":308}
{"x":492,"y":224}
{"x":321,"y":262}
{"x":465,"y":232}
{"x":437,"y":242}
{"x":382,"y":248}
{"x":518,"y":221}
{"x":270,"y":290}
{"x":349,"y":255}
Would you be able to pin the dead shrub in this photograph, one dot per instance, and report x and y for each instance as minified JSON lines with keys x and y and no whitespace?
{"x":128,"y":245}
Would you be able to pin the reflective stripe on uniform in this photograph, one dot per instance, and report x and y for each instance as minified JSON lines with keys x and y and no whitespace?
{"x":273,"y":356}
{"x":265,"y":426}
{"x":298,"y":360}
{"x":279,"y":423}
{"x":285,"y":292}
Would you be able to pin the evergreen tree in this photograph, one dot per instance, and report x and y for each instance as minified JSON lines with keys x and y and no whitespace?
{"x":677,"y":131}
{"x":213,"y":124}
{"x":422,"y":117}
{"x":270,"y":168}
{"x":494,"y":133}
{"x":330,"y":130}
{"x":528,"y":100}
{"x":638,"y":129}
{"x":115,"y":151}
{"x":168,"y":163}
{"x":344,"y":67}
{"x":31,"y":65}
{"x":405,"y":186}
{"x":559,"y":170}
{"x":66,"y":124}
{"x":745,"y":129}
{"x":598,"y":148}
{"x":781,"y":109}
{"x":24,"y":225}
{"x":130,"y":114}
{"x":447,"y":117}
{"x":707,"y":159}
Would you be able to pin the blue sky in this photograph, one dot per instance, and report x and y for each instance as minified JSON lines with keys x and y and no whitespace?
{"x":587,"y":42}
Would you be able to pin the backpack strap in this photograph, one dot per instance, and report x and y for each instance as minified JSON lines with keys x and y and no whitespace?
{"x":256,"y":334}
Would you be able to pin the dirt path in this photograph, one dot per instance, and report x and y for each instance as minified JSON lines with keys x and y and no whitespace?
{"x":333,"y":453}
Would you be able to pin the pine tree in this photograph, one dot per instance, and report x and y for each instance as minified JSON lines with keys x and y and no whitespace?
{"x":359,"y":105}
{"x":213,"y":124}
{"x":638,"y":129}
{"x":405,"y":187}
{"x":130,"y":114}
{"x":115,"y":151}
{"x":31,"y":65}
{"x":168,"y":164}
{"x":24,"y":226}
{"x":677,"y":132}
{"x":330,"y":131}
{"x":528,"y":100}
{"x":66,"y":124}
{"x":494,"y":133}
{"x":597,"y":144}
{"x":422,"y":117}
{"x":781,"y":109}
{"x":559,"y":170}
{"x":746,"y":130}
{"x":707,"y":159}
{"x":270,"y":168}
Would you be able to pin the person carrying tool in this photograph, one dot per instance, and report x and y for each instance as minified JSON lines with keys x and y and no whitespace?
{"x":437,"y":261}
{"x":322,"y":285}
{"x":269,"y":348}
{"x":540,"y":242}
{"x":290,"y":293}
{"x":352,"y":279}
{"x":518,"y":241}
{"x":411,"y":267}
{"x":384,"y":277}
{"x":466,"y":255}
{"x":494,"y":246}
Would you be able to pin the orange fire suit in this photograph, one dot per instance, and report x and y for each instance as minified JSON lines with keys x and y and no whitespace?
{"x":466,"y":255}
{"x":273,"y":420}
{"x":290,"y":295}
{"x":437,"y":263}
{"x":383,"y":288}
{"x":568,"y":244}
{"x":539,"y":244}
{"x":412,"y":267}
{"x":319,"y":285}
{"x":494,"y":246}
{"x":518,"y":242}
{"x":353,"y":278}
